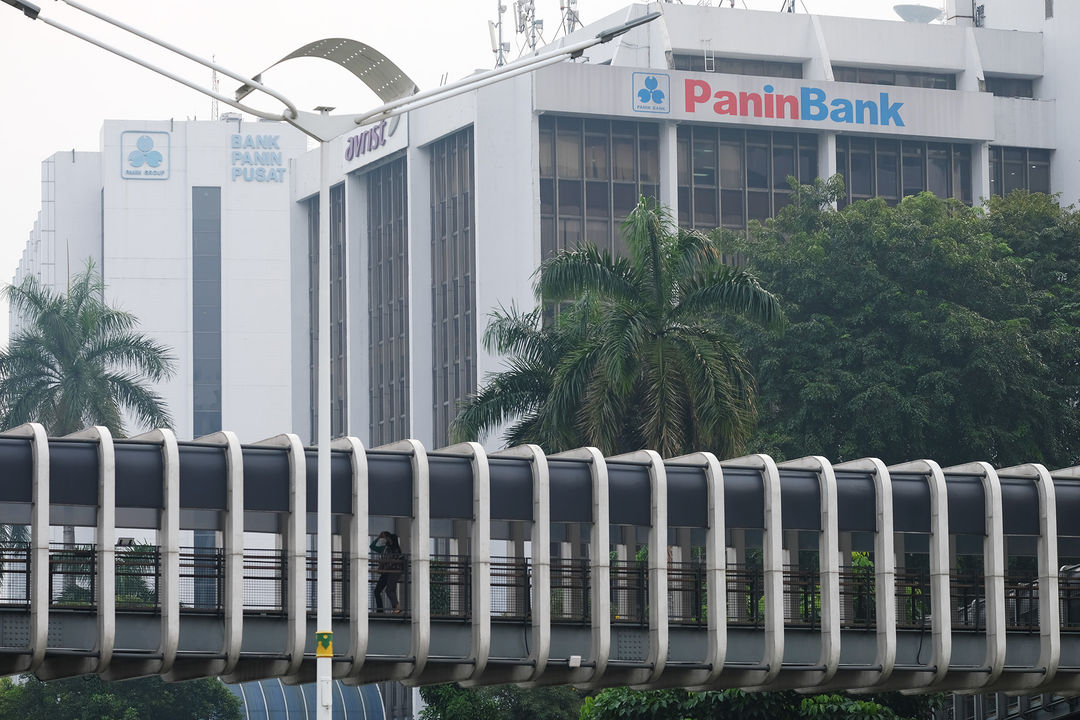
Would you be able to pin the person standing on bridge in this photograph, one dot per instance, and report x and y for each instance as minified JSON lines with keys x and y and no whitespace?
{"x":391,"y":565}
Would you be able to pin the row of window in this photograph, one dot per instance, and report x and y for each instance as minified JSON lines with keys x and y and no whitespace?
{"x":1019,"y":169}
{"x":728,"y":177}
{"x":892,"y":169}
{"x":705,"y":62}
{"x":592,"y":173}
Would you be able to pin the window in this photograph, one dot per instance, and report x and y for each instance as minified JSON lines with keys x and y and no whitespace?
{"x":1010,"y":87}
{"x":698,"y":62}
{"x":893,"y":169}
{"x":453,"y":263}
{"x":1019,"y":169}
{"x":206,"y":309}
{"x":728,"y":177}
{"x":338,"y":390}
{"x":592,"y":173}
{"x":388,"y":301}
{"x":900,"y":78}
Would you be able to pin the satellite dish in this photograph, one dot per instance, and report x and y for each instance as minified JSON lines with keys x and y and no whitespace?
{"x":915,"y":13}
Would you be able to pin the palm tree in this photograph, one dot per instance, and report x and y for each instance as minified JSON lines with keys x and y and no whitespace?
{"x":79,"y":362}
{"x":637,"y":356}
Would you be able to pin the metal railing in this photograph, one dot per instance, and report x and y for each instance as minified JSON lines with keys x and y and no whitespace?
{"x":745,"y":595}
{"x":388,"y":579}
{"x":967,"y":595}
{"x":265,"y":573}
{"x":913,"y":606}
{"x":511,"y":588}
{"x":1022,"y":602}
{"x":629,"y":592}
{"x":339,"y":583}
{"x":858,"y":598}
{"x":202,"y":579}
{"x":802,"y":597}
{"x":72,"y":576}
{"x":1069,"y":592}
{"x":138,"y":570}
{"x":451,"y":586}
{"x":15,"y":574}
{"x":570,"y":590}
{"x":687,"y":593}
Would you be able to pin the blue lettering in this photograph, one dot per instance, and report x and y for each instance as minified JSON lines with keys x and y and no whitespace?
{"x":842,"y":111}
{"x":237,"y":172}
{"x":236,"y":154}
{"x":864,"y":108}
{"x":813,"y":105}
{"x":236,"y":140}
{"x":890,"y":111}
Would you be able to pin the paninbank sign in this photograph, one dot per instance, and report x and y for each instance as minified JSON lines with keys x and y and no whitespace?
{"x":764,"y":102}
{"x":811,"y":104}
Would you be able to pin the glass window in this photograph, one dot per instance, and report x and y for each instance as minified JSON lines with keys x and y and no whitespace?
{"x":1039,"y":171}
{"x":757,"y":206}
{"x":705,"y":207}
{"x":862,"y":171}
{"x":704,"y":161}
{"x":547,"y":152}
{"x":650,"y":160}
{"x":731,"y":208}
{"x":596,"y":157}
{"x":623,"y":153}
{"x":570,"y":197}
{"x":938,"y":170}
{"x":912,"y":168}
{"x":731,"y":165}
{"x":568,"y":152}
{"x":783,"y":164}
{"x":1014,"y":170}
{"x":888,"y":176}
{"x":757,"y":167}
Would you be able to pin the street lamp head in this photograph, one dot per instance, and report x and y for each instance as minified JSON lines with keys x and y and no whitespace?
{"x":29,"y":9}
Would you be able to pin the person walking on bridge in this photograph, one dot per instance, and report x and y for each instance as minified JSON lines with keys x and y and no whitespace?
{"x":391,"y":565}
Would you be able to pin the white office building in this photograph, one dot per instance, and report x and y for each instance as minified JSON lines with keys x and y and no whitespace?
{"x":443,"y":214}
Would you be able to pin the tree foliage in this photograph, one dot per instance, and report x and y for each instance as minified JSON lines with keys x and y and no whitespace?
{"x":626,"y":704}
{"x":502,"y":702}
{"x":637,"y":357}
{"x":929,"y":329}
{"x":91,"y":698}
{"x":79,"y":362}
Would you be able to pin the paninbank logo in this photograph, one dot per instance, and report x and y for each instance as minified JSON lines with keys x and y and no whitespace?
{"x":144,"y":155}
{"x":811,"y":103}
{"x":652,"y":93}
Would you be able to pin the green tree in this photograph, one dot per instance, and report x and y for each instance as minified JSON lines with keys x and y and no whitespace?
{"x":929,"y":329}
{"x":626,"y":704}
{"x":91,"y":698}
{"x":79,"y":362}
{"x":502,"y":702}
{"x":637,"y":356}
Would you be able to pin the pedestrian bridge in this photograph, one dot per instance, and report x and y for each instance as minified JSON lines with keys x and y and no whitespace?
{"x":533,"y":568}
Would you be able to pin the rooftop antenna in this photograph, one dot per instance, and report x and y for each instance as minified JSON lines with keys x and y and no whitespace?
{"x":571,"y":21}
{"x":495,"y":29}
{"x":215,"y":85}
{"x":528,"y":24}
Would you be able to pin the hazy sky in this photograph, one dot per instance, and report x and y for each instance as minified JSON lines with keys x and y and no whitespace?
{"x":56,"y":90}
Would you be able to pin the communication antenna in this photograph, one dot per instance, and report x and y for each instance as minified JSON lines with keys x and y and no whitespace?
{"x":495,"y":29}
{"x":571,"y":21}
{"x":216,"y":87}
{"x":528,"y":24}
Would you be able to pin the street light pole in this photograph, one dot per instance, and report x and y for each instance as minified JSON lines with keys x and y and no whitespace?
{"x":324,"y":128}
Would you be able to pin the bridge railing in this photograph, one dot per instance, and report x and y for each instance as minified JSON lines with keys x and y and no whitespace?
{"x":802,"y":597}
{"x":570,"y":582}
{"x":339,"y":583}
{"x":15,"y":574}
{"x":451,"y":586}
{"x":72,"y":576}
{"x":1022,"y":602}
{"x":858,"y":598}
{"x":629,"y":592}
{"x":511,"y":588}
{"x":913,"y":608}
{"x":138,"y":571}
{"x":202,"y":579}
{"x":745,"y":595}
{"x":967,"y":593}
{"x":264,"y":581}
{"x":687,"y":594}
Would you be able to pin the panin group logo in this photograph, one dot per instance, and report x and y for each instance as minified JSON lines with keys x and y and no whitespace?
{"x":145,"y":155}
{"x":652,"y":92}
